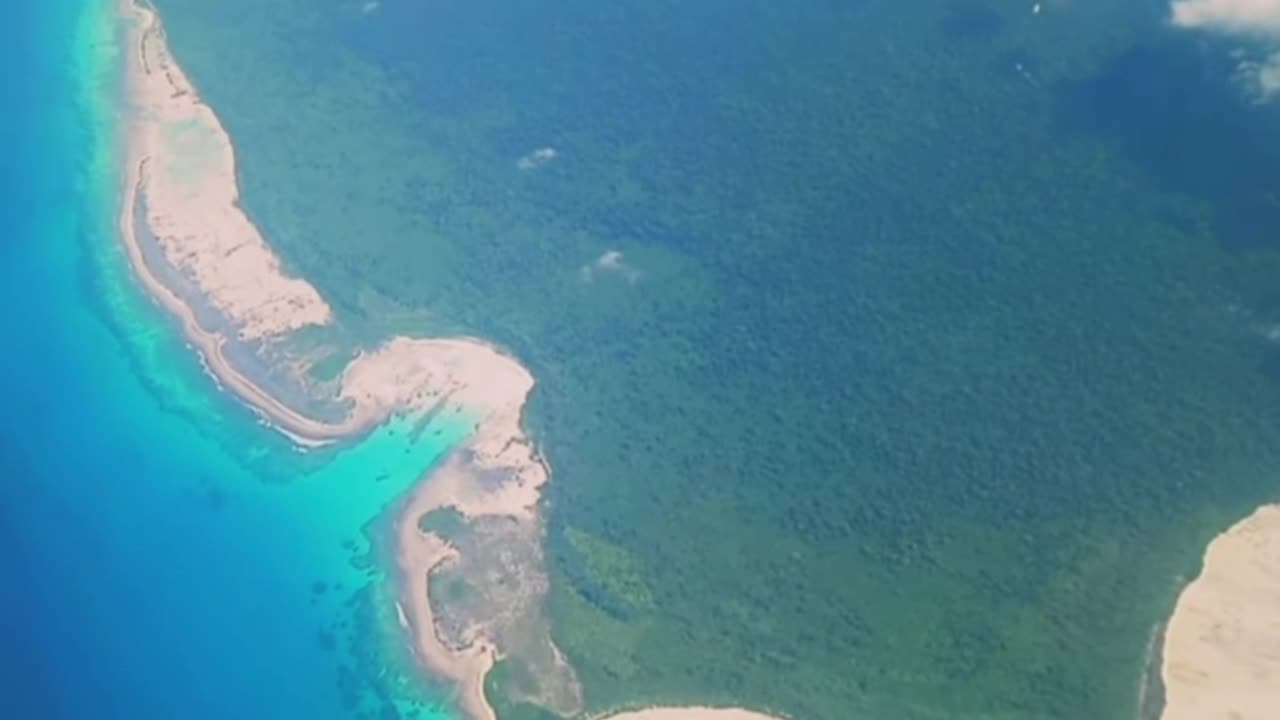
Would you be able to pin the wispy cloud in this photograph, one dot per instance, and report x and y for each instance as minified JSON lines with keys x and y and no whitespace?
{"x":609,"y":261}
{"x":537,"y":158}
{"x":1238,"y":17}
{"x":1257,"y":20}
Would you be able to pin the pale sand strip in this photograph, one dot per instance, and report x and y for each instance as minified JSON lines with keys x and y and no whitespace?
{"x":1221,"y":657}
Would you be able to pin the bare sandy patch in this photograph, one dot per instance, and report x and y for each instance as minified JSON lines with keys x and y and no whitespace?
{"x":1221,"y":656}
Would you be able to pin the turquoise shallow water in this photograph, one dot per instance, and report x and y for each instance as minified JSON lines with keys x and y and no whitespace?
{"x":168,"y":556}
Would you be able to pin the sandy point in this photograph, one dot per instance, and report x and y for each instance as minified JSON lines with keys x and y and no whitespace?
{"x":1221,"y":658}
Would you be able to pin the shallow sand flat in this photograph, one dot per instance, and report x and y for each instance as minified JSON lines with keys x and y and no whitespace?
{"x":1222,"y":646}
{"x":690,"y":713}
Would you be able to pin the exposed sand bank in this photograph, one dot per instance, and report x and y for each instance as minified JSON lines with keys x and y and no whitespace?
{"x":1221,"y":657}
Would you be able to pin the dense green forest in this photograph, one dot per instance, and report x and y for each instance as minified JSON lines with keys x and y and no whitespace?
{"x":935,"y":351}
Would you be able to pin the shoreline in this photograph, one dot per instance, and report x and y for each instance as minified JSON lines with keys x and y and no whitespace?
{"x":178,"y":182}
{"x":1151,"y":685}
{"x":375,"y":384}
{"x":297,"y":427}
{"x":1221,"y":653}
{"x":418,"y":556}
{"x":209,"y":346}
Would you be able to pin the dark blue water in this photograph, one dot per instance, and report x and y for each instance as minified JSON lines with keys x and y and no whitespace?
{"x":166,"y":556}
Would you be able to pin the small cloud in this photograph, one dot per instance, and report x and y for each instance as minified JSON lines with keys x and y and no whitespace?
{"x":1234,"y":17}
{"x":1246,"y":19}
{"x":611,"y":262}
{"x":537,"y":158}
{"x":369,"y":7}
{"x":1260,"y":79}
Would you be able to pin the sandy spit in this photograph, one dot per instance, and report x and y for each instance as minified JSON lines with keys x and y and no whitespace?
{"x":1221,"y":658}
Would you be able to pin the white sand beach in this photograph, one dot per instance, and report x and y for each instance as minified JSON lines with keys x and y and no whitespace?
{"x":1221,"y":658}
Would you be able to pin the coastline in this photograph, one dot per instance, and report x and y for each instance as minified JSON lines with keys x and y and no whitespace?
{"x":179,"y":188}
{"x":209,"y":345}
{"x":1151,"y":698}
{"x":412,"y":376}
{"x":1221,"y":654}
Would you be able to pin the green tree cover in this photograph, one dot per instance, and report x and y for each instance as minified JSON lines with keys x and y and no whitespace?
{"x":945,"y":354}
{"x":447,"y":523}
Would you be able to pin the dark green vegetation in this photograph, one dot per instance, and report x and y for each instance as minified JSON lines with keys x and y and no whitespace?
{"x":446,"y":523}
{"x":944,"y":356}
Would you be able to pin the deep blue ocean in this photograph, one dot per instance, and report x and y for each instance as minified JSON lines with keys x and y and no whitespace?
{"x":166,"y":556}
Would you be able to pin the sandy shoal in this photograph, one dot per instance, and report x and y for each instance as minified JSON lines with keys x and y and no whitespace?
{"x":1221,"y":658}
